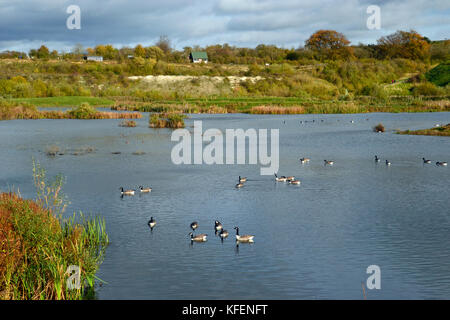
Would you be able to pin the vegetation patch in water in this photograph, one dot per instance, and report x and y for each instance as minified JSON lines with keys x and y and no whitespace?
{"x":128,"y":123}
{"x":10,"y":110}
{"x":167,"y":120}
{"x":379,"y":128}
{"x":437,"y":131}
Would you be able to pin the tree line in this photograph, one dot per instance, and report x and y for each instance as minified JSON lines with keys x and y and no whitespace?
{"x":322,"y":45}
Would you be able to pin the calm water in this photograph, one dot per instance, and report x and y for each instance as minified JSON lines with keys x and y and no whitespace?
{"x":313,"y":241}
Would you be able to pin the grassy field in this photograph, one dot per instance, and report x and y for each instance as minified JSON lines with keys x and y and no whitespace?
{"x":437,"y":131}
{"x":290,"y":105}
{"x":66,"y":101}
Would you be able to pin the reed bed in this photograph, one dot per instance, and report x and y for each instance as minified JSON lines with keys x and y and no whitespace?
{"x":277,"y":110}
{"x":128,"y":124}
{"x":36,"y":249}
{"x":167,"y":120}
{"x":443,"y":131}
{"x":18,"y":110}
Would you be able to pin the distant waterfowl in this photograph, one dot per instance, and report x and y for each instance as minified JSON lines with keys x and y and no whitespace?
{"x":297,"y":182}
{"x":239,"y":185}
{"x":242,"y":179}
{"x":280,"y":179}
{"x":388,"y":163}
{"x":145,"y":190}
{"x":244,"y":238}
{"x":377,"y":159}
{"x":304,"y":160}
{"x":198,"y":238}
{"x":223,"y":234}
{"x":290,"y":178}
{"x":194,"y":225}
{"x":443,"y":163}
{"x":127,"y":192}
{"x":426,"y":161}
{"x":152,"y":223}
{"x":217,"y":226}
{"x":328,"y":162}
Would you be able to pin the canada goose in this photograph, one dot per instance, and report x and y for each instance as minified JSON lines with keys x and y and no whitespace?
{"x":377,"y":159}
{"x":426,"y":161}
{"x":152,"y":223}
{"x":304,"y":160}
{"x":280,"y":179}
{"x":194,"y":225}
{"x":217,"y":226}
{"x":443,"y":163}
{"x":239,"y":185}
{"x":242,"y":179}
{"x":244,"y":238}
{"x":388,"y":163}
{"x":223,"y":234}
{"x":198,"y":238}
{"x":297,"y":182}
{"x":145,"y":190}
{"x":329,"y":162}
{"x":127,"y":192}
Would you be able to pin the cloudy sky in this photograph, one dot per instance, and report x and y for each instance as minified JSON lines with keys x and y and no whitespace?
{"x":26,"y":24}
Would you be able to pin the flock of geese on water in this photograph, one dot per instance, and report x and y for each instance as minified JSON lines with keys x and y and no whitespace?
{"x":292,"y":180}
{"x":218,"y":227}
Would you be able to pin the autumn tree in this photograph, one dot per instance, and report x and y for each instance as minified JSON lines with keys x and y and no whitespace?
{"x":139,"y":51}
{"x":405,"y":44}
{"x":41,"y":53}
{"x":329,"y":44}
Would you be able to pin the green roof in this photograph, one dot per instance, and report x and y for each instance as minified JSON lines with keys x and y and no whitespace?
{"x":199,"y":55}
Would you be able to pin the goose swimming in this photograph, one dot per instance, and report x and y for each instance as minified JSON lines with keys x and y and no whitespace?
{"x":198,"y":238}
{"x":280,"y":179}
{"x":145,"y":190}
{"x":127,"y":192}
{"x":194,"y":225}
{"x":244,"y":238}
{"x":152,"y":223}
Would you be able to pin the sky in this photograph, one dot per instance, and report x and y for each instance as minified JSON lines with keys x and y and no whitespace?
{"x":26,"y":24}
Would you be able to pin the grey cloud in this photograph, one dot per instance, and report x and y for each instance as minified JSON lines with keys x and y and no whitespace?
{"x":26,"y":24}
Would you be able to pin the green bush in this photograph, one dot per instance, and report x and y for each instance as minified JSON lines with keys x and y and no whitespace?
{"x":427,"y":89}
{"x":84,"y":111}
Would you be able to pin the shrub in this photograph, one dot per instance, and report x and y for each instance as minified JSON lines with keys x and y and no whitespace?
{"x":426,"y":89}
{"x":84,"y":111}
{"x":378,"y":128}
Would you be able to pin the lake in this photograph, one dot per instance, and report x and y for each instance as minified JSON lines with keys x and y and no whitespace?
{"x":313,"y":241}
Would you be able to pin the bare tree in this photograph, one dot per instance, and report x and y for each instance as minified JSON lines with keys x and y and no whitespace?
{"x":164,"y":44}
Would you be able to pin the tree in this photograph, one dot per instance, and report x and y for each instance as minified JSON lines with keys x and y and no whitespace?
{"x":329,"y":44}
{"x":41,"y":53}
{"x":139,"y":51}
{"x":154,"y":53}
{"x":405,"y":44}
{"x":164,"y":44}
